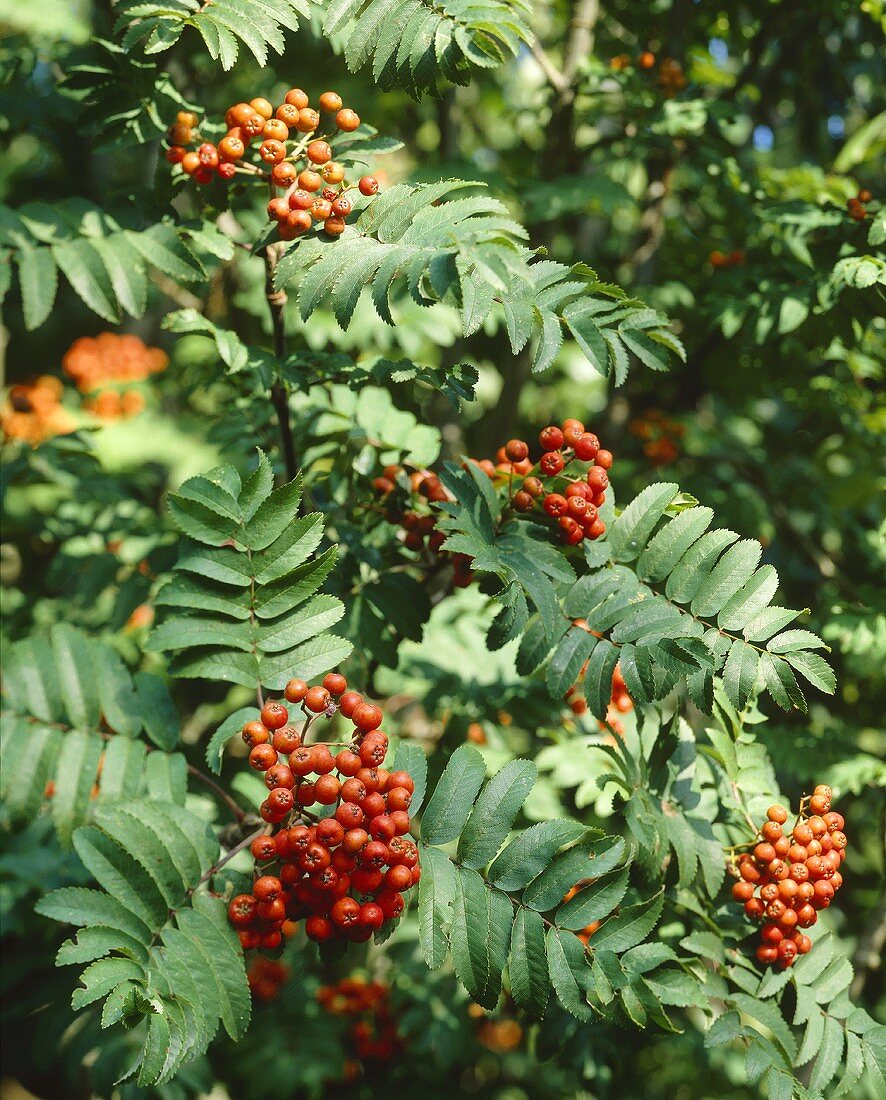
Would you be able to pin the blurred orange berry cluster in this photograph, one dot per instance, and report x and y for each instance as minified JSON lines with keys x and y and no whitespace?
{"x":585,"y":933}
{"x":619,"y":703}
{"x":265,"y":978}
{"x":97,"y":362}
{"x":660,"y":435}
{"x":499,"y":1036}
{"x":726,"y":259}
{"x":33,"y":411}
{"x":374,"y":1031}
{"x":110,"y":357}
{"x":671,"y":76}
{"x":112,"y":405}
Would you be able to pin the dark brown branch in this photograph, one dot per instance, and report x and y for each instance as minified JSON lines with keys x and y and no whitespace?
{"x":277,"y":306}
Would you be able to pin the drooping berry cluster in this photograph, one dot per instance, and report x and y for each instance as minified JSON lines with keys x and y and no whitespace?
{"x":288,"y":153}
{"x":368,"y":1004}
{"x":855,"y":207}
{"x":567,"y":493}
{"x":422,"y":488}
{"x":265,"y":977}
{"x":788,"y":878}
{"x":32,"y":411}
{"x":345,"y":872}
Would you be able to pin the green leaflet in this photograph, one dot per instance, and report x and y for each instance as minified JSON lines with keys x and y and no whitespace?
{"x":244,"y":605}
{"x":151,"y":933}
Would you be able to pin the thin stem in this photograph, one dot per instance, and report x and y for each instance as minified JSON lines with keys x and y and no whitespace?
{"x":277,"y":305}
{"x":244,"y":843}
{"x":236,"y":810}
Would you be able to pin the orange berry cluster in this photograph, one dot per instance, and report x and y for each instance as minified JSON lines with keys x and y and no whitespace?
{"x":265,"y":977}
{"x":95,"y":361}
{"x":661,"y":436}
{"x":855,"y":207}
{"x":290,"y":156}
{"x":719,"y":259}
{"x":583,"y":491}
{"x":32,"y":411}
{"x":112,"y":405}
{"x":787,"y":879}
{"x":419,"y":522}
{"x":671,"y":77}
{"x":622,"y":61}
{"x":345,"y":872}
{"x":374,"y":1034}
{"x":499,"y":1036}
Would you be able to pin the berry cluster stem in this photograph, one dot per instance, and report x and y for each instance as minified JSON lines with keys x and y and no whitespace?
{"x":277,"y":306}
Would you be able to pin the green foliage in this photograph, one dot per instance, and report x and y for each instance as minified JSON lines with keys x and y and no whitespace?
{"x":674,"y":603}
{"x":468,"y":251}
{"x":71,"y":719}
{"x":575,"y":865}
{"x":160,"y":952}
{"x":245,"y":588}
{"x":105,"y":263}
{"x":155,"y":28}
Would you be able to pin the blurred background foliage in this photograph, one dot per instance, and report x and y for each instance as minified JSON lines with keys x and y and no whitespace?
{"x":713,"y":182}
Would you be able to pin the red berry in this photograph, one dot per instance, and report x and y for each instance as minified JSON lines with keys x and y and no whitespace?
{"x":255,"y":733}
{"x":295,"y":690}
{"x":368,"y":185}
{"x":349,"y":703}
{"x":391,"y":903}
{"x":326,"y":790}
{"x":551,"y":438}
{"x":279,"y":776}
{"x":367,"y":716}
{"x":318,"y":929}
{"x":586,"y":447}
{"x":348,"y":763}
{"x":347,"y":120}
{"x":286,"y":740}
{"x":371,"y":915}
{"x":262,"y":757}
{"x":241,"y":910}
{"x":267,"y":888}
{"x":345,"y":912}
{"x":598,"y":479}
{"x":555,"y":504}
{"x":280,"y":801}
{"x":317,"y":699}
{"x":551,"y":463}
{"x":263,"y":848}
{"x":335,"y":683}
{"x":274,"y":714}
{"x":604,"y":459}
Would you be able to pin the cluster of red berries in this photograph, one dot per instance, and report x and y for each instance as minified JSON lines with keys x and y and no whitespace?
{"x":575,"y":508}
{"x":345,"y":872}
{"x":265,"y":977}
{"x":855,"y":207}
{"x":788,"y":878}
{"x":290,"y":156}
{"x":419,"y":523}
{"x":374,"y":1030}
